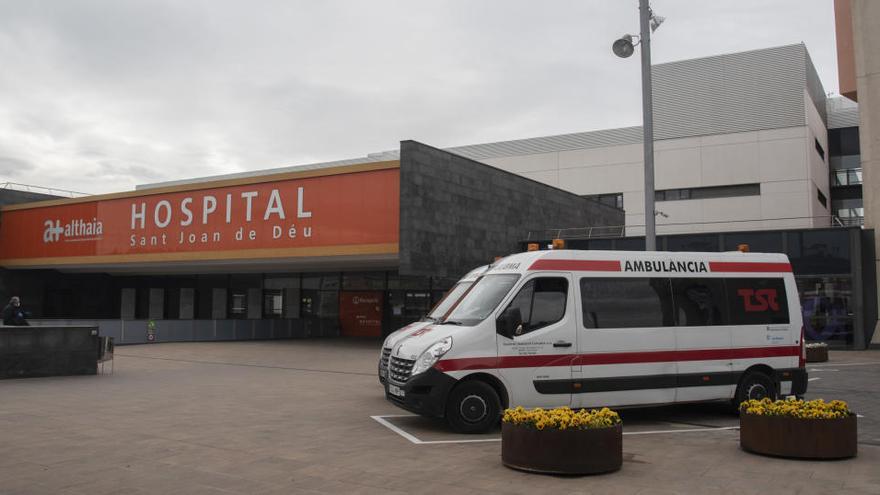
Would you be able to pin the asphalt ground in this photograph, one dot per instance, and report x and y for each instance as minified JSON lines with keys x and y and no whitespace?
{"x":854,"y":377}
{"x":310,"y":417}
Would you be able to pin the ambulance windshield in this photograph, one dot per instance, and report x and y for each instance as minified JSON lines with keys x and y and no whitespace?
{"x":482,"y":299}
{"x":448,"y":301}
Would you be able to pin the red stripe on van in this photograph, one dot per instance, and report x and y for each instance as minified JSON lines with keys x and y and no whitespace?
{"x":742,"y":266}
{"x":482,"y":363}
{"x":577,"y":265}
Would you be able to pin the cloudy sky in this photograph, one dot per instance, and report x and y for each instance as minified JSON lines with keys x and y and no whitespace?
{"x":98,"y":96}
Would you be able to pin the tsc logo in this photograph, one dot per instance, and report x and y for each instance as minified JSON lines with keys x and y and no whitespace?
{"x":755,"y":300}
{"x":53,"y":231}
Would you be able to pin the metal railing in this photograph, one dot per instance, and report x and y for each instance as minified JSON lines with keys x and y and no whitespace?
{"x":847,"y":221}
{"x":51,"y":191}
{"x":617,"y":231}
{"x":602,"y":232}
{"x":846,"y":177}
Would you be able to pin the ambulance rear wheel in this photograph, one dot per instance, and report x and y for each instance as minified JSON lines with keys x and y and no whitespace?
{"x":755,"y":386}
{"x":473,"y":407}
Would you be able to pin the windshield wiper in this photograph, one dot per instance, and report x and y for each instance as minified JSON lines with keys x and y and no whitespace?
{"x":452,"y":322}
{"x":432,"y":319}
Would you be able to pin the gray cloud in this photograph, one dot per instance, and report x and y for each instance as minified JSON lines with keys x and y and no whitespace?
{"x":102,"y":95}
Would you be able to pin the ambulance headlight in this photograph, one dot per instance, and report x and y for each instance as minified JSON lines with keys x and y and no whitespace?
{"x":431,"y":355}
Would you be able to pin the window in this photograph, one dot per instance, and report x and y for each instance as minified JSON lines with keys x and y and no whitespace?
{"x":822,"y":198}
{"x":757,"y":301}
{"x":696,"y":242}
{"x":819,"y":148}
{"x":541,"y":302}
{"x":843,"y":141}
{"x":825,"y":251}
{"x":237,"y":304}
{"x":451,"y":297}
{"x":319,"y":304}
{"x":700,"y":302}
{"x":828,"y":308}
{"x":142,"y":304}
{"x":846,"y":177}
{"x":273,"y":303}
{"x":708,"y":192}
{"x":614,"y":200}
{"x":759,"y":242}
{"x":626,"y":302}
{"x":483,"y":298}
{"x":416,"y":304}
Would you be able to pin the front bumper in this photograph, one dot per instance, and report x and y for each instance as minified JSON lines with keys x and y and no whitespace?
{"x":424,"y":393}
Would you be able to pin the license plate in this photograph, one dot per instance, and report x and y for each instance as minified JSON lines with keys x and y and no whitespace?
{"x":396,"y":391}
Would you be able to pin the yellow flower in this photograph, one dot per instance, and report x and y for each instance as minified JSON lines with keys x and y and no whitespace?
{"x":814,"y":409}
{"x":561,"y":418}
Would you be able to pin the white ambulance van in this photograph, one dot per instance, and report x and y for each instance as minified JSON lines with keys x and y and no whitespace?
{"x":437,"y":313}
{"x":606,"y":328}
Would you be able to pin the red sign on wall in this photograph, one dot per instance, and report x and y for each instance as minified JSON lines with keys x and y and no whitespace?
{"x":360,"y":313}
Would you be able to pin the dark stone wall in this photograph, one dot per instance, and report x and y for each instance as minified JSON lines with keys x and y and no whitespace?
{"x":457,"y":214}
{"x":13,"y":196}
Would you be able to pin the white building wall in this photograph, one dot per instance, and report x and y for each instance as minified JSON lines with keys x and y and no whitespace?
{"x":777,"y":159}
{"x":818,"y":166}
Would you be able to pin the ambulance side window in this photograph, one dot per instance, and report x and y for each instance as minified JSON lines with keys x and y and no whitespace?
{"x":700,"y":302}
{"x":541,"y":302}
{"x":627,"y":302}
{"x":757,"y":301}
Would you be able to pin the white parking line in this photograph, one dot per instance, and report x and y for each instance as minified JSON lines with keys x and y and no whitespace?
{"x":414,"y":439}
{"x":813,"y":379}
{"x":383,"y":422}
{"x":690,"y":430}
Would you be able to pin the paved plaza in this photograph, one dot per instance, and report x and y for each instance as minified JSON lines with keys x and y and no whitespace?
{"x":309,"y":417}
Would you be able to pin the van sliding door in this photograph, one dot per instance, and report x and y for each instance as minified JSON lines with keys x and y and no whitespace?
{"x":626,"y":342}
{"x":703,"y":338}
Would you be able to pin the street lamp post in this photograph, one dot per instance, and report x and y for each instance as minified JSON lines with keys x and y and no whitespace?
{"x":623,"y":48}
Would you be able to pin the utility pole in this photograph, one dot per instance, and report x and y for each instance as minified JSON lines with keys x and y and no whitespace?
{"x":623,"y":48}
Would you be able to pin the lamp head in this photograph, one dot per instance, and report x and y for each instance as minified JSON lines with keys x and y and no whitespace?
{"x":623,"y":47}
{"x":655,"y":21}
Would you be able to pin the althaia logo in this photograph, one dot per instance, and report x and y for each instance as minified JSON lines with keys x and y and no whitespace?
{"x":74,"y":230}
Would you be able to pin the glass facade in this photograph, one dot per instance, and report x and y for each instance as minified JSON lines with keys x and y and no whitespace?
{"x":844,"y":160}
{"x":824,"y":261}
{"x":394,"y":300}
{"x":827,"y":304}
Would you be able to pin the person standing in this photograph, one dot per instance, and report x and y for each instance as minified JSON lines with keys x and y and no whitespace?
{"x":13,"y":314}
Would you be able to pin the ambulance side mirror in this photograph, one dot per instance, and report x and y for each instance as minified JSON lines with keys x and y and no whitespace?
{"x":508,"y":322}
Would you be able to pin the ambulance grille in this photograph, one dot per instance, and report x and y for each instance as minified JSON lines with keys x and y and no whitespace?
{"x":400,"y":369}
{"x":386,"y":353}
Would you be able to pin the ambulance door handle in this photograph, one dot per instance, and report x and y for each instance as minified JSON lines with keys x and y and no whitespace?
{"x":562,"y":344}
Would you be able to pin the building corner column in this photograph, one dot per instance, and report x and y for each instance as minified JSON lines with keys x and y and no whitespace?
{"x":866,"y":49}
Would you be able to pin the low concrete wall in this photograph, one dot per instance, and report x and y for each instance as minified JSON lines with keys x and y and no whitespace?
{"x":135,"y":331}
{"x":48,"y":351}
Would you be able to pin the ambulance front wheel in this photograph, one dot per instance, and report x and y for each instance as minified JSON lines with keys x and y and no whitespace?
{"x":473,"y":407}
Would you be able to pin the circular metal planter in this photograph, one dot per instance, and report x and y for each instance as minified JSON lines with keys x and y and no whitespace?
{"x":590,"y":451}
{"x":817,"y":354}
{"x":783,"y":436}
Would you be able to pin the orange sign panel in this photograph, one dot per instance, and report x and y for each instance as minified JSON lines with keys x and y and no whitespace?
{"x":275,"y":218}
